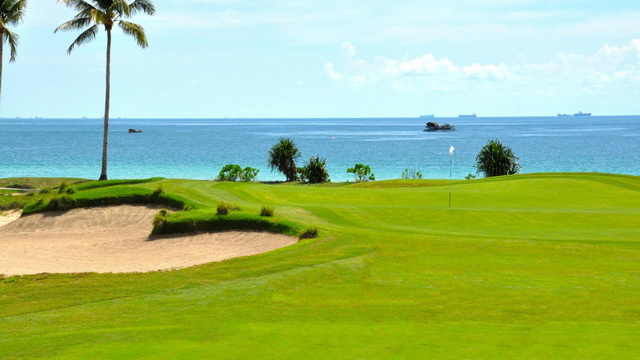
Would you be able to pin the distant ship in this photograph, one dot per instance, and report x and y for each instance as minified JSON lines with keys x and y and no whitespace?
{"x":468,"y":116}
{"x":427,"y":116}
{"x":564,"y":114}
{"x":582,"y":114}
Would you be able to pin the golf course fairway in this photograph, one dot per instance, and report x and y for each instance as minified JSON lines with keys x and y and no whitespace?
{"x":535,"y":266}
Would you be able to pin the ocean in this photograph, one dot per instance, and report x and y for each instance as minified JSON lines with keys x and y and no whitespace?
{"x":199,"y":148}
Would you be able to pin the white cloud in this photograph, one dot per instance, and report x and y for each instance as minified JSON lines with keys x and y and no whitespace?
{"x":426,"y":70}
{"x":330,"y":70}
{"x":587,"y":73}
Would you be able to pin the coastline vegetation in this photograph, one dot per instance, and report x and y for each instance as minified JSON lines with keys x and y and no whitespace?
{"x":362,"y":172}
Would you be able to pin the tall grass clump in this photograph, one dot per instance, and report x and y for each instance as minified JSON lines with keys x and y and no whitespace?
{"x":309,"y":233}
{"x":61,"y":203}
{"x":65,"y":188}
{"x":410,"y":174}
{"x":266,"y":211}
{"x":224,"y":208}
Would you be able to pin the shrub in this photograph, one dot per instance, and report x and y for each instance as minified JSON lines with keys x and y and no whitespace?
{"x":160,"y":219}
{"x":309,"y":233}
{"x":411,"y":174}
{"x":249,"y":174}
{"x":157,"y":191}
{"x":496,"y":159}
{"x":266,"y":211}
{"x":230,"y":172}
{"x":223,"y":208}
{"x":233,"y":172}
{"x":282,"y":157}
{"x":315,"y":171}
{"x":362,"y":172}
{"x":470,"y":177}
{"x":65,"y":188}
{"x":61,"y":203}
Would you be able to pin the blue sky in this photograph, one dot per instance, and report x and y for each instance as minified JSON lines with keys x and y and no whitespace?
{"x":336,"y":58}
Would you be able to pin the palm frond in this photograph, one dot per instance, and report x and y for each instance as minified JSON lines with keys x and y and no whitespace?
{"x":15,"y":11}
{"x":145,"y":6}
{"x":136,"y":31}
{"x":79,"y":5}
{"x":120,"y":8}
{"x":85,"y":37}
{"x":75,"y":24}
{"x":12,"y":39}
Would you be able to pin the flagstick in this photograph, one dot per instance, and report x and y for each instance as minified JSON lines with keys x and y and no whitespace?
{"x":450,"y":164}
{"x":451,"y":148}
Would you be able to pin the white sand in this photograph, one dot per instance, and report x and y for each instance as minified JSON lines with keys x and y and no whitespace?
{"x":115,"y":239}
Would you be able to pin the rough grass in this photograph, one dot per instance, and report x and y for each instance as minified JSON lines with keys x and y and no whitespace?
{"x":531,"y":266}
{"x":37,"y":183}
{"x":207,"y":221}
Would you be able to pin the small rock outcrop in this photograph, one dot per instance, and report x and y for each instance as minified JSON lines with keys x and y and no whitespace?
{"x":133,"y":131}
{"x":434,"y":126}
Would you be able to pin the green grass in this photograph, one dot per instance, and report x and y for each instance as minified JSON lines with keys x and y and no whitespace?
{"x":537,"y":266}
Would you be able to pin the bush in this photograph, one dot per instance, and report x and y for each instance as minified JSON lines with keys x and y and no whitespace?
{"x":315,"y":171}
{"x":249,"y":174}
{"x":309,"y":233}
{"x":160,"y":219}
{"x":470,"y":177}
{"x":266,"y":211}
{"x":223,"y":208}
{"x":411,"y":174}
{"x":233,"y":172}
{"x":61,"y":203}
{"x":282,"y":157}
{"x":230,"y":172}
{"x":65,"y":188}
{"x":496,"y":159}
{"x":362,"y":172}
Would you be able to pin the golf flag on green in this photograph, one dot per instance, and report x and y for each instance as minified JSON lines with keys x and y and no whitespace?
{"x":451,"y":150}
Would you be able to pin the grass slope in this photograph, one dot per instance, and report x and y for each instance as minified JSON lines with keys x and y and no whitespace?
{"x":540,"y":266}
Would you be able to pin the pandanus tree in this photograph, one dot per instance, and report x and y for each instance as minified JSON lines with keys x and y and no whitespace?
{"x":282,"y":157}
{"x":496,"y":159}
{"x":11,"y":13}
{"x":106,"y":13}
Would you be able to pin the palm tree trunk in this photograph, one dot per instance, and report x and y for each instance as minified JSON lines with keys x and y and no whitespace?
{"x":1,"y":58}
{"x":105,"y":144}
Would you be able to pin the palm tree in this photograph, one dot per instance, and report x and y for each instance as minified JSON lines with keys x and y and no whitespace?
{"x":282,"y":157}
{"x":315,"y":171}
{"x":11,"y":13}
{"x":106,"y":13}
{"x":496,"y":159}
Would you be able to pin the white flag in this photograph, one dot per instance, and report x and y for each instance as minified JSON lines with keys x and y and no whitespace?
{"x":451,"y":150}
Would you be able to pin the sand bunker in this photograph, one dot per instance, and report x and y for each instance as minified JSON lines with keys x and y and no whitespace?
{"x":115,"y":239}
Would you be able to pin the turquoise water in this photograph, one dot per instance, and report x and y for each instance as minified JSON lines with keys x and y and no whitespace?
{"x":198,"y":148}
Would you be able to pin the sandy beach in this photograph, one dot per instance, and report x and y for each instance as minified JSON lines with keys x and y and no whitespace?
{"x":114,"y":240}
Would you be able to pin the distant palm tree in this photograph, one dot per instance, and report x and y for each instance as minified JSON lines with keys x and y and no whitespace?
{"x":106,"y":13}
{"x":496,"y":159}
{"x":282,"y":157}
{"x":11,"y":13}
